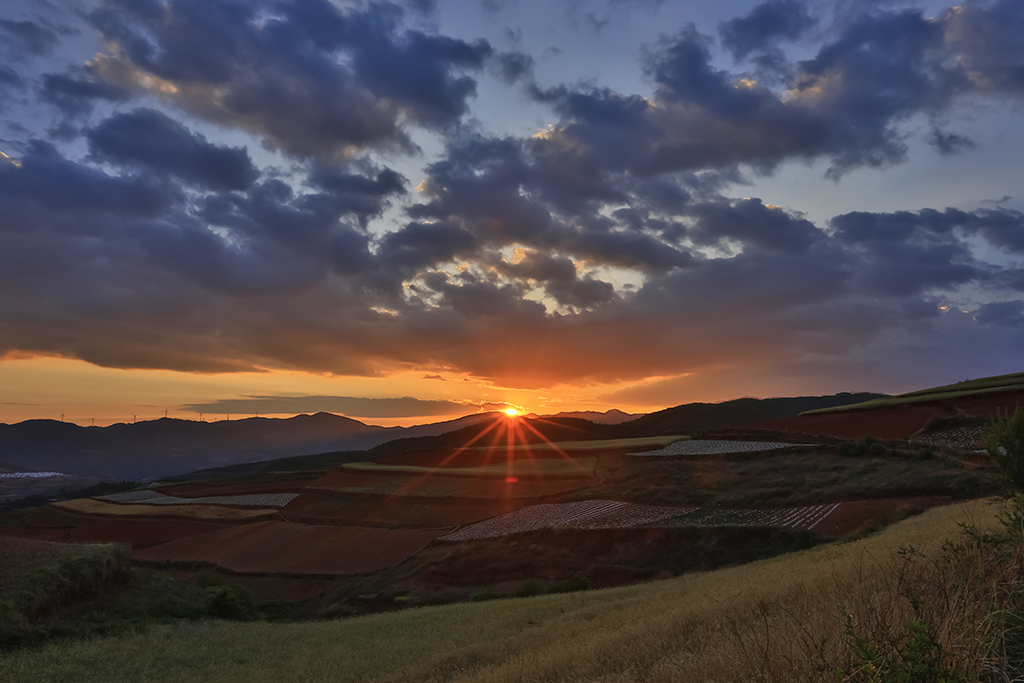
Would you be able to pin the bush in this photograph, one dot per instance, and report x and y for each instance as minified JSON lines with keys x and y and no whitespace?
{"x":485,"y":594}
{"x":576,"y":582}
{"x":527,"y":588}
{"x":1004,"y":441}
{"x":231,"y":602}
{"x":868,"y":446}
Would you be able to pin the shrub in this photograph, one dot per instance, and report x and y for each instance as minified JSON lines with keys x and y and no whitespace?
{"x":527,"y":588}
{"x":484,"y":594}
{"x":576,"y":582}
{"x":231,"y":602}
{"x":868,"y":446}
{"x":1004,"y":441}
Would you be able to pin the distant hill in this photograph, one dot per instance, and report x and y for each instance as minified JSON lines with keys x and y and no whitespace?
{"x":609,"y":417}
{"x":162,"y":447}
{"x":742,"y":412}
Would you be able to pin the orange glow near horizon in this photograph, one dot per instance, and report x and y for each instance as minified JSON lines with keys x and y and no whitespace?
{"x":47,"y":387}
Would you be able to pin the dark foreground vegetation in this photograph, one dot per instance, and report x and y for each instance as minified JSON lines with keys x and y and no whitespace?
{"x":99,"y":591}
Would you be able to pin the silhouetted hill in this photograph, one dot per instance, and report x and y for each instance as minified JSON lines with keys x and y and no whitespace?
{"x":697,"y":417}
{"x":166,"y":446}
{"x":609,"y":417}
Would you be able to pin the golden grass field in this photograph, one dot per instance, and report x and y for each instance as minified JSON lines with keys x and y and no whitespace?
{"x":781,"y":619}
{"x":91,"y":506}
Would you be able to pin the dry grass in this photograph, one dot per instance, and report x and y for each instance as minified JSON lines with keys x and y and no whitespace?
{"x":90,"y":506}
{"x":782,"y":619}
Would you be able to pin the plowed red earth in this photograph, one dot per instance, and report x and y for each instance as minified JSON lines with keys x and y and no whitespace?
{"x":237,"y":488}
{"x":440,"y":485}
{"x":326,"y":507}
{"x":51,"y":524}
{"x":282,"y":547}
{"x":852,"y":516}
{"x":473,"y":458}
{"x":895,"y":422}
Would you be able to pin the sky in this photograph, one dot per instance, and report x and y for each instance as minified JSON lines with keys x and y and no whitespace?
{"x":409,"y":211}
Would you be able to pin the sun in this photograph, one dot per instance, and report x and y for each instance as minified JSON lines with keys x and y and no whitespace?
{"x":511,"y":412}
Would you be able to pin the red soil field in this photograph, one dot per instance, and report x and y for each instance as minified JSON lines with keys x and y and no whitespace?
{"x":852,"y":516}
{"x":141,"y":533}
{"x":52,"y":517}
{"x":440,"y":485}
{"x":283,"y":547}
{"x":51,"y":524}
{"x":237,"y":488}
{"x":326,"y":507}
{"x":477,"y":458}
{"x":894,"y":422}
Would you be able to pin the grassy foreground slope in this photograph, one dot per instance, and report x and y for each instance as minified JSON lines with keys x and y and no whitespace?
{"x":778,"y":619}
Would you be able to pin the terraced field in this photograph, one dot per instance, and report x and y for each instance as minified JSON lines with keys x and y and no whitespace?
{"x":716,"y":447}
{"x":611,"y":514}
{"x":362,"y":526}
{"x":284,"y":547}
{"x":91,"y":506}
{"x":151,"y":497}
{"x":496,"y":467}
{"x":438,"y":484}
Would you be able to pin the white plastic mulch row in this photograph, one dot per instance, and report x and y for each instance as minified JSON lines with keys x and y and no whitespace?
{"x":716,"y":447}
{"x":29,"y":475}
{"x":148,"y":497}
{"x":613,"y":514}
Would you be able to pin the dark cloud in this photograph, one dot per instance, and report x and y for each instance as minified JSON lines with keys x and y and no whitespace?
{"x":313,"y":80}
{"x":512,"y":67}
{"x":345,"y":405}
{"x":753,"y":224}
{"x":985,"y":39}
{"x":581,"y":294}
{"x":609,"y":246}
{"x":949,"y":143}
{"x":845,"y":104}
{"x":81,"y":188}
{"x":9,"y":77}
{"x":764,"y":26}
{"x":32,"y":36}
{"x":148,"y":139}
{"x":1009,"y":313}
{"x":77,"y":92}
{"x":540,"y":267}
